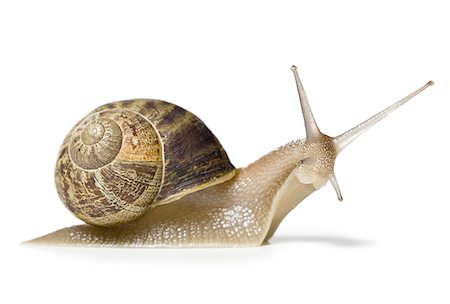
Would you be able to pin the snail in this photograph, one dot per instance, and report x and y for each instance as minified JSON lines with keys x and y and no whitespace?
{"x":147,"y":173}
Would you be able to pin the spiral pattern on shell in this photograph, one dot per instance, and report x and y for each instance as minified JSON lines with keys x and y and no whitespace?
{"x":127,"y":156}
{"x":113,"y":168}
{"x":96,"y":144}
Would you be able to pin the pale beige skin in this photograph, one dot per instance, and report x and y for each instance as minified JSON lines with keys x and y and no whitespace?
{"x":243,"y":211}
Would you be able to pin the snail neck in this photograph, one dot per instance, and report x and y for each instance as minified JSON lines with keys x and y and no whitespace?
{"x":288,"y":196}
{"x":280,"y":189}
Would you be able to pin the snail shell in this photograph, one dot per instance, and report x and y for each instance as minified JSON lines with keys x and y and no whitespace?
{"x":127,"y":156}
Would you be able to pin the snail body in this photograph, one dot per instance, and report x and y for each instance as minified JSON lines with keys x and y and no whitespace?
{"x":195,"y":199}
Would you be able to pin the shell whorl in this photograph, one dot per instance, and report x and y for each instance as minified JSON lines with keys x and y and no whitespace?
{"x":110,"y":167}
{"x":129,"y":155}
{"x":96,"y":143}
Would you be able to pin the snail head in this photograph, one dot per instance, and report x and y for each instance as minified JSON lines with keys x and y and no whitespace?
{"x":320,"y":151}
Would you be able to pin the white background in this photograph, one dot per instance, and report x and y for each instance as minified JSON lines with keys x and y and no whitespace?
{"x":388,"y":242}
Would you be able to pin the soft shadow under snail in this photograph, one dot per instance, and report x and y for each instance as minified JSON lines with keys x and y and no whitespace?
{"x":147,"y":173}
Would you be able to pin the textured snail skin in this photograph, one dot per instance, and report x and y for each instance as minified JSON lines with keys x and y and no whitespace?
{"x":243,"y":211}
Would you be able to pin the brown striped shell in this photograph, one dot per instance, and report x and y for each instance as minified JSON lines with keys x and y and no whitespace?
{"x":127,"y":156}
